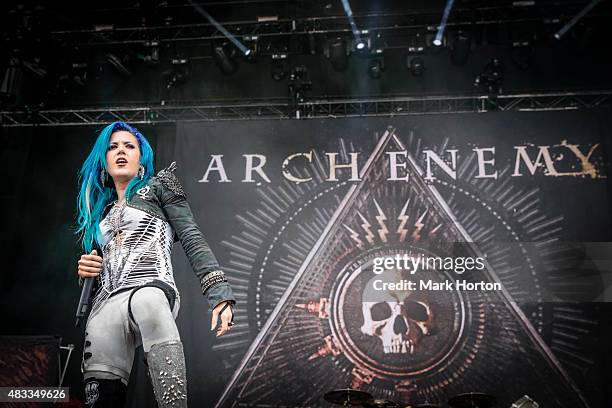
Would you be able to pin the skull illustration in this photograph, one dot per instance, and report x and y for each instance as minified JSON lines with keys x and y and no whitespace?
{"x":398,"y":318}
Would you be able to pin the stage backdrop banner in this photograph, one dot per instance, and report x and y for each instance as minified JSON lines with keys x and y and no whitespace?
{"x":414,"y":258}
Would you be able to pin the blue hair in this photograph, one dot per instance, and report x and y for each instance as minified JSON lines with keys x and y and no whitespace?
{"x":94,"y":196}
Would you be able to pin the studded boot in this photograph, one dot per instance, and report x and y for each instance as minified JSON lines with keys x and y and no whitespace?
{"x":166,"y":363}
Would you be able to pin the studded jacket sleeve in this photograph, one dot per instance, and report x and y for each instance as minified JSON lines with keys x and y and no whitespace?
{"x":203,"y":262}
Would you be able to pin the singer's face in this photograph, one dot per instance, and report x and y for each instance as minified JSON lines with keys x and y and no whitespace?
{"x":123,"y":156}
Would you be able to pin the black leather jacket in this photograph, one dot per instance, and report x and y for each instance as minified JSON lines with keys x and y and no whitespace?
{"x":163,"y":197}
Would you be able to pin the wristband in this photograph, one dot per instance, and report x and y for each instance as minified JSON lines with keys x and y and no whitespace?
{"x":211,"y":279}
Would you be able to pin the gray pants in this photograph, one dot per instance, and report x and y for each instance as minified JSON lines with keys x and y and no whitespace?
{"x":111,"y":336}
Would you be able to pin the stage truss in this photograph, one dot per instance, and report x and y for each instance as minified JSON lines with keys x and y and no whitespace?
{"x":549,"y":13}
{"x":288,"y":109}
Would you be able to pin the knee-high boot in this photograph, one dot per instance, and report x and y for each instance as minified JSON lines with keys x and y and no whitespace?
{"x":166,"y":363}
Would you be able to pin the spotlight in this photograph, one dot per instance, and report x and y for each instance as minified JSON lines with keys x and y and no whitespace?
{"x":360,"y":44}
{"x":447,"y":9}
{"x":460,"y":48}
{"x":224,"y":55}
{"x":522,"y":37}
{"x":299,"y":83}
{"x":80,"y":72}
{"x":521,"y":55}
{"x":36,"y":66}
{"x":251,"y":53}
{"x":119,"y":64}
{"x":377,"y":45}
{"x":375,"y":68}
{"x":337,"y":53}
{"x":492,"y":77}
{"x":152,"y":55}
{"x":11,"y":81}
{"x":575,"y":19}
{"x":243,"y":49}
{"x":312,"y":44}
{"x":416,"y":43}
{"x":179,"y":73}
{"x":279,"y":68}
{"x":75,"y":68}
{"x":362,"y":47}
{"x":416,"y":65}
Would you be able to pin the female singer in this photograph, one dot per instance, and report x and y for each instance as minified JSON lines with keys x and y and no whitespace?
{"x":128,"y":219}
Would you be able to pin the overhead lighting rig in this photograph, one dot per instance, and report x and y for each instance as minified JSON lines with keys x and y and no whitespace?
{"x":337,"y":51}
{"x":491,"y":78}
{"x":299,"y":83}
{"x":179,"y":72}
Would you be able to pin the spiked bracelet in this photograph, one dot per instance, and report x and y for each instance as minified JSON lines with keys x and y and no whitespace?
{"x":211,"y":279}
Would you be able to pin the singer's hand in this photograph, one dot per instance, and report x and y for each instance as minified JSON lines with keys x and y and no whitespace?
{"x":90,"y":265}
{"x":226,"y":319}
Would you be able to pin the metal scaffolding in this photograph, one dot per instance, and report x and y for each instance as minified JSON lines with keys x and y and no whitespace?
{"x":287,"y":109}
{"x":546,"y":12}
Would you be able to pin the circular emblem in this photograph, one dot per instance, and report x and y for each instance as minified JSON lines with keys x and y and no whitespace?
{"x":399,"y":332}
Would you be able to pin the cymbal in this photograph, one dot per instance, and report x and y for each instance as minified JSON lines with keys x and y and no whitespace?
{"x":472,"y":400}
{"x":347,"y":397}
{"x":381,"y":403}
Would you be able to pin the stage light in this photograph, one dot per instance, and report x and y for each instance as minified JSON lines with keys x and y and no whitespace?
{"x":492,"y":77}
{"x":375,"y":68}
{"x":363,"y":47}
{"x":119,"y":64}
{"x":179,"y":73}
{"x":251,"y":41}
{"x":460,"y":48}
{"x":337,"y":53}
{"x":299,"y":83}
{"x":224,"y":56}
{"x":312,"y":43}
{"x":522,"y":36}
{"x":152,"y":55}
{"x":575,"y":19}
{"x":103,"y":27}
{"x":11,"y":81}
{"x":416,"y":66}
{"x":360,"y":44}
{"x":244,"y":50}
{"x":377,"y":45}
{"x":279,"y":68}
{"x":80,"y":70}
{"x":35,"y":66}
{"x":521,"y":56}
{"x":417,"y":42}
{"x":447,"y":9}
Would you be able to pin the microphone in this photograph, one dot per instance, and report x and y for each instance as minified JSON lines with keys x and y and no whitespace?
{"x":85,"y":300}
